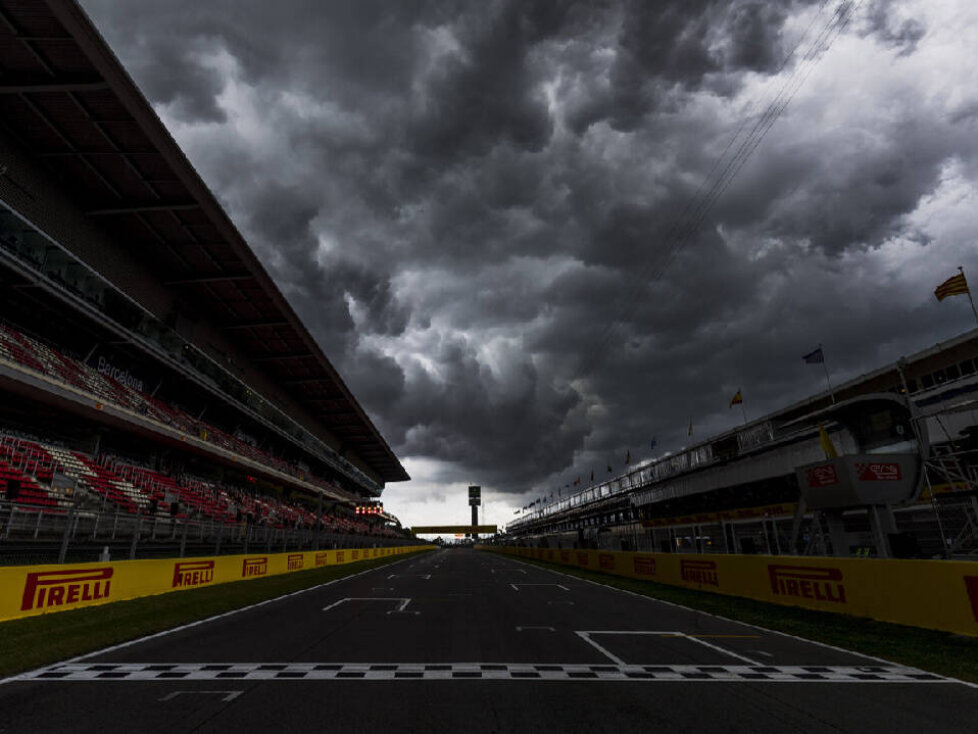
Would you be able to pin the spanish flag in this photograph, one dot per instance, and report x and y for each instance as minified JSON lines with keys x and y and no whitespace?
{"x":956,"y":285}
{"x":736,"y":399}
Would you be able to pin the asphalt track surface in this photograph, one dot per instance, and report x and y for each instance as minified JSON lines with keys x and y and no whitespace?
{"x":465,"y":641}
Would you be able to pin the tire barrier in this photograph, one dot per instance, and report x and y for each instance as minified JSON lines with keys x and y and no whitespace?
{"x":26,"y":591}
{"x":938,"y":595}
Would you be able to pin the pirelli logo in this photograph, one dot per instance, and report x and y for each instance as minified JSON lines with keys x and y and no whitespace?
{"x":192,"y":573}
{"x":354,"y":555}
{"x":806,"y":582}
{"x":322,"y":559}
{"x":699,"y":572}
{"x":45,"y":589}
{"x":606,"y":561}
{"x":583,"y":558}
{"x":257,"y":566}
{"x":340,"y":555}
{"x":644,"y":565}
{"x":294,"y":562}
{"x":565,"y":556}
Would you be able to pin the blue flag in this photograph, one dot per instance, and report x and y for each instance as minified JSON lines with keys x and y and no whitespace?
{"x":815,"y":357}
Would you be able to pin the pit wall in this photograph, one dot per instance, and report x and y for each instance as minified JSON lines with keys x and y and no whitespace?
{"x":26,"y":591}
{"x":939,"y":595}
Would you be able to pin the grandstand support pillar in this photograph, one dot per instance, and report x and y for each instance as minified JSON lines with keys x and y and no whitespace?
{"x":770,"y":536}
{"x":796,"y":522}
{"x":69,"y":521}
{"x":220,"y":536}
{"x":135,"y":537}
{"x":10,"y":521}
{"x":881,"y":523}
{"x":837,"y":532}
{"x":183,"y":539}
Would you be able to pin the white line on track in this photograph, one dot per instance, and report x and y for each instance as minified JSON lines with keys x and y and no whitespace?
{"x":404,"y":601}
{"x":586,"y":635}
{"x":226,"y":696}
{"x":559,"y":586}
{"x":723,"y":650}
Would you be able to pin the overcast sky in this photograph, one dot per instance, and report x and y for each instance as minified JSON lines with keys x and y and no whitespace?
{"x":496,"y":217}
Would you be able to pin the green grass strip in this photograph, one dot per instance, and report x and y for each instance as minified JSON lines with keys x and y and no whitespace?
{"x":943,"y":653}
{"x":30,"y":643}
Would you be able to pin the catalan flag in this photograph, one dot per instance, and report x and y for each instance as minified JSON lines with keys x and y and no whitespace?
{"x":956,"y":285}
{"x":737,"y":399}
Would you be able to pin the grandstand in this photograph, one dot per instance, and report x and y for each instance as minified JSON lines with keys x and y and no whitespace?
{"x":739,"y":491}
{"x":152,"y":376}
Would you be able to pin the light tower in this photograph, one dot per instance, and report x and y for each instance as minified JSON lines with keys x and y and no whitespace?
{"x":475,"y":500}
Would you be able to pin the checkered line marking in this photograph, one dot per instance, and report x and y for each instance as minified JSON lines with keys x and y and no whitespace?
{"x":481,"y":671}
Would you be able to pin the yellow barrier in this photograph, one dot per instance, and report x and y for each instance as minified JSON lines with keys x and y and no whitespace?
{"x":941,"y":595}
{"x":26,"y":591}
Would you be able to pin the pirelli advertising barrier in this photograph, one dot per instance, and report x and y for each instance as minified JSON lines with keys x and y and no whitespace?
{"x":29,"y":590}
{"x":941,"y":595}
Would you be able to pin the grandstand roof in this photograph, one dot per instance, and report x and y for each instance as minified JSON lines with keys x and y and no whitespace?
{"x":67,"y":99}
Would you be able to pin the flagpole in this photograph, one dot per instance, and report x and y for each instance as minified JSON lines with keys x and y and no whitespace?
{"x":968,"y":291}
{"x":743,"y":410}
{"x":825,"y":367}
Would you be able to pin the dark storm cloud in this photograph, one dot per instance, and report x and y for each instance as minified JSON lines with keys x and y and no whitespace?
{"x":903,"y":34}
{"x":475,"y":206}
{"x":486,"y":95}
{"x":667,"y":49}
{"x":187,"y":85}
{"x":468,"y":398}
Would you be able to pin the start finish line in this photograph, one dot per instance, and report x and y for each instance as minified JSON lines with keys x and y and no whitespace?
{"x":453,"y":529}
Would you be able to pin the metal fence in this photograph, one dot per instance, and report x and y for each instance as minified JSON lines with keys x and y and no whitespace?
{"x":31,"y":534}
